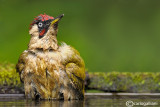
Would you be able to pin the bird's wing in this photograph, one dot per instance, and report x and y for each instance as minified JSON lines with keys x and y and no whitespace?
{"x":21,"y":64}
{"x":32,"y":73}
{"x":74,"y":66}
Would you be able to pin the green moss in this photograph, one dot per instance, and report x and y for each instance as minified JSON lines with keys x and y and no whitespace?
{"x":126,"y":81}
{"x":108,"y":82}
{"x":9,"y":78}
{"x":94,"y":91}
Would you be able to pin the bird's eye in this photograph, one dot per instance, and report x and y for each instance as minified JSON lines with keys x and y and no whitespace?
{"x":40,"y":24}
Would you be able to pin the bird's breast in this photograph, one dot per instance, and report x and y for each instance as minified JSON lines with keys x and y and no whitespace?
{"x":52,"y":60}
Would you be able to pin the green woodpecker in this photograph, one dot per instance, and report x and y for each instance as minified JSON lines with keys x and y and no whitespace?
{"x":49,"y":70}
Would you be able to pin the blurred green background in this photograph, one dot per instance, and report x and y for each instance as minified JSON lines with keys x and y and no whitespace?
{"x":111,"y":35}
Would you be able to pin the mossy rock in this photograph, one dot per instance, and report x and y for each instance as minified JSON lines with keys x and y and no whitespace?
{"x":125,"y":81}
{"x":105,"y":81}
{"x":9,"y":79}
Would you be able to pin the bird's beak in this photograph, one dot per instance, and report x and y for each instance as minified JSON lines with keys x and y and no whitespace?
{"x":57,"y":19}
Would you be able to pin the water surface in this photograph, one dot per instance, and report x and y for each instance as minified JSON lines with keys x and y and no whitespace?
{"x":90,"y":101}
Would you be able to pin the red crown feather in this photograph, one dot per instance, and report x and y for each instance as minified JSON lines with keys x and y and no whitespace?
{"x":41,"y":17}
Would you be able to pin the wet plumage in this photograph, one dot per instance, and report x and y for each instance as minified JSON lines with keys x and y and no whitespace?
{"x":50,"y":71}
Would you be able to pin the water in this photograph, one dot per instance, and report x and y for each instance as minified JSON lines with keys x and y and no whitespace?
{"x":90,"y":101}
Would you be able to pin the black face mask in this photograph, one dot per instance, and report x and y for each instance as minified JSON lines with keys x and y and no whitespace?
{"x":43,"y":27}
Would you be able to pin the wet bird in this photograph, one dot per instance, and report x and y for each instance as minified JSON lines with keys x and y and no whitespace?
{"x":49,"y":70}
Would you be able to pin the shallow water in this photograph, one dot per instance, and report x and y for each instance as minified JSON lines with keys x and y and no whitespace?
{"x":90,"y":101}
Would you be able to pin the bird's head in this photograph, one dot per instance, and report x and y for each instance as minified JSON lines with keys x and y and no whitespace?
{"x":43,"y":23}
{"x":43,"y":31}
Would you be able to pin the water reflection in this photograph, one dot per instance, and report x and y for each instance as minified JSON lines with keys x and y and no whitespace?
{"x":90,"y":101}
{"x":54,"y":103}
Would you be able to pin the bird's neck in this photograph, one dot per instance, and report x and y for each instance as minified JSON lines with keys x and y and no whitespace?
{"x":45,"y":43}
